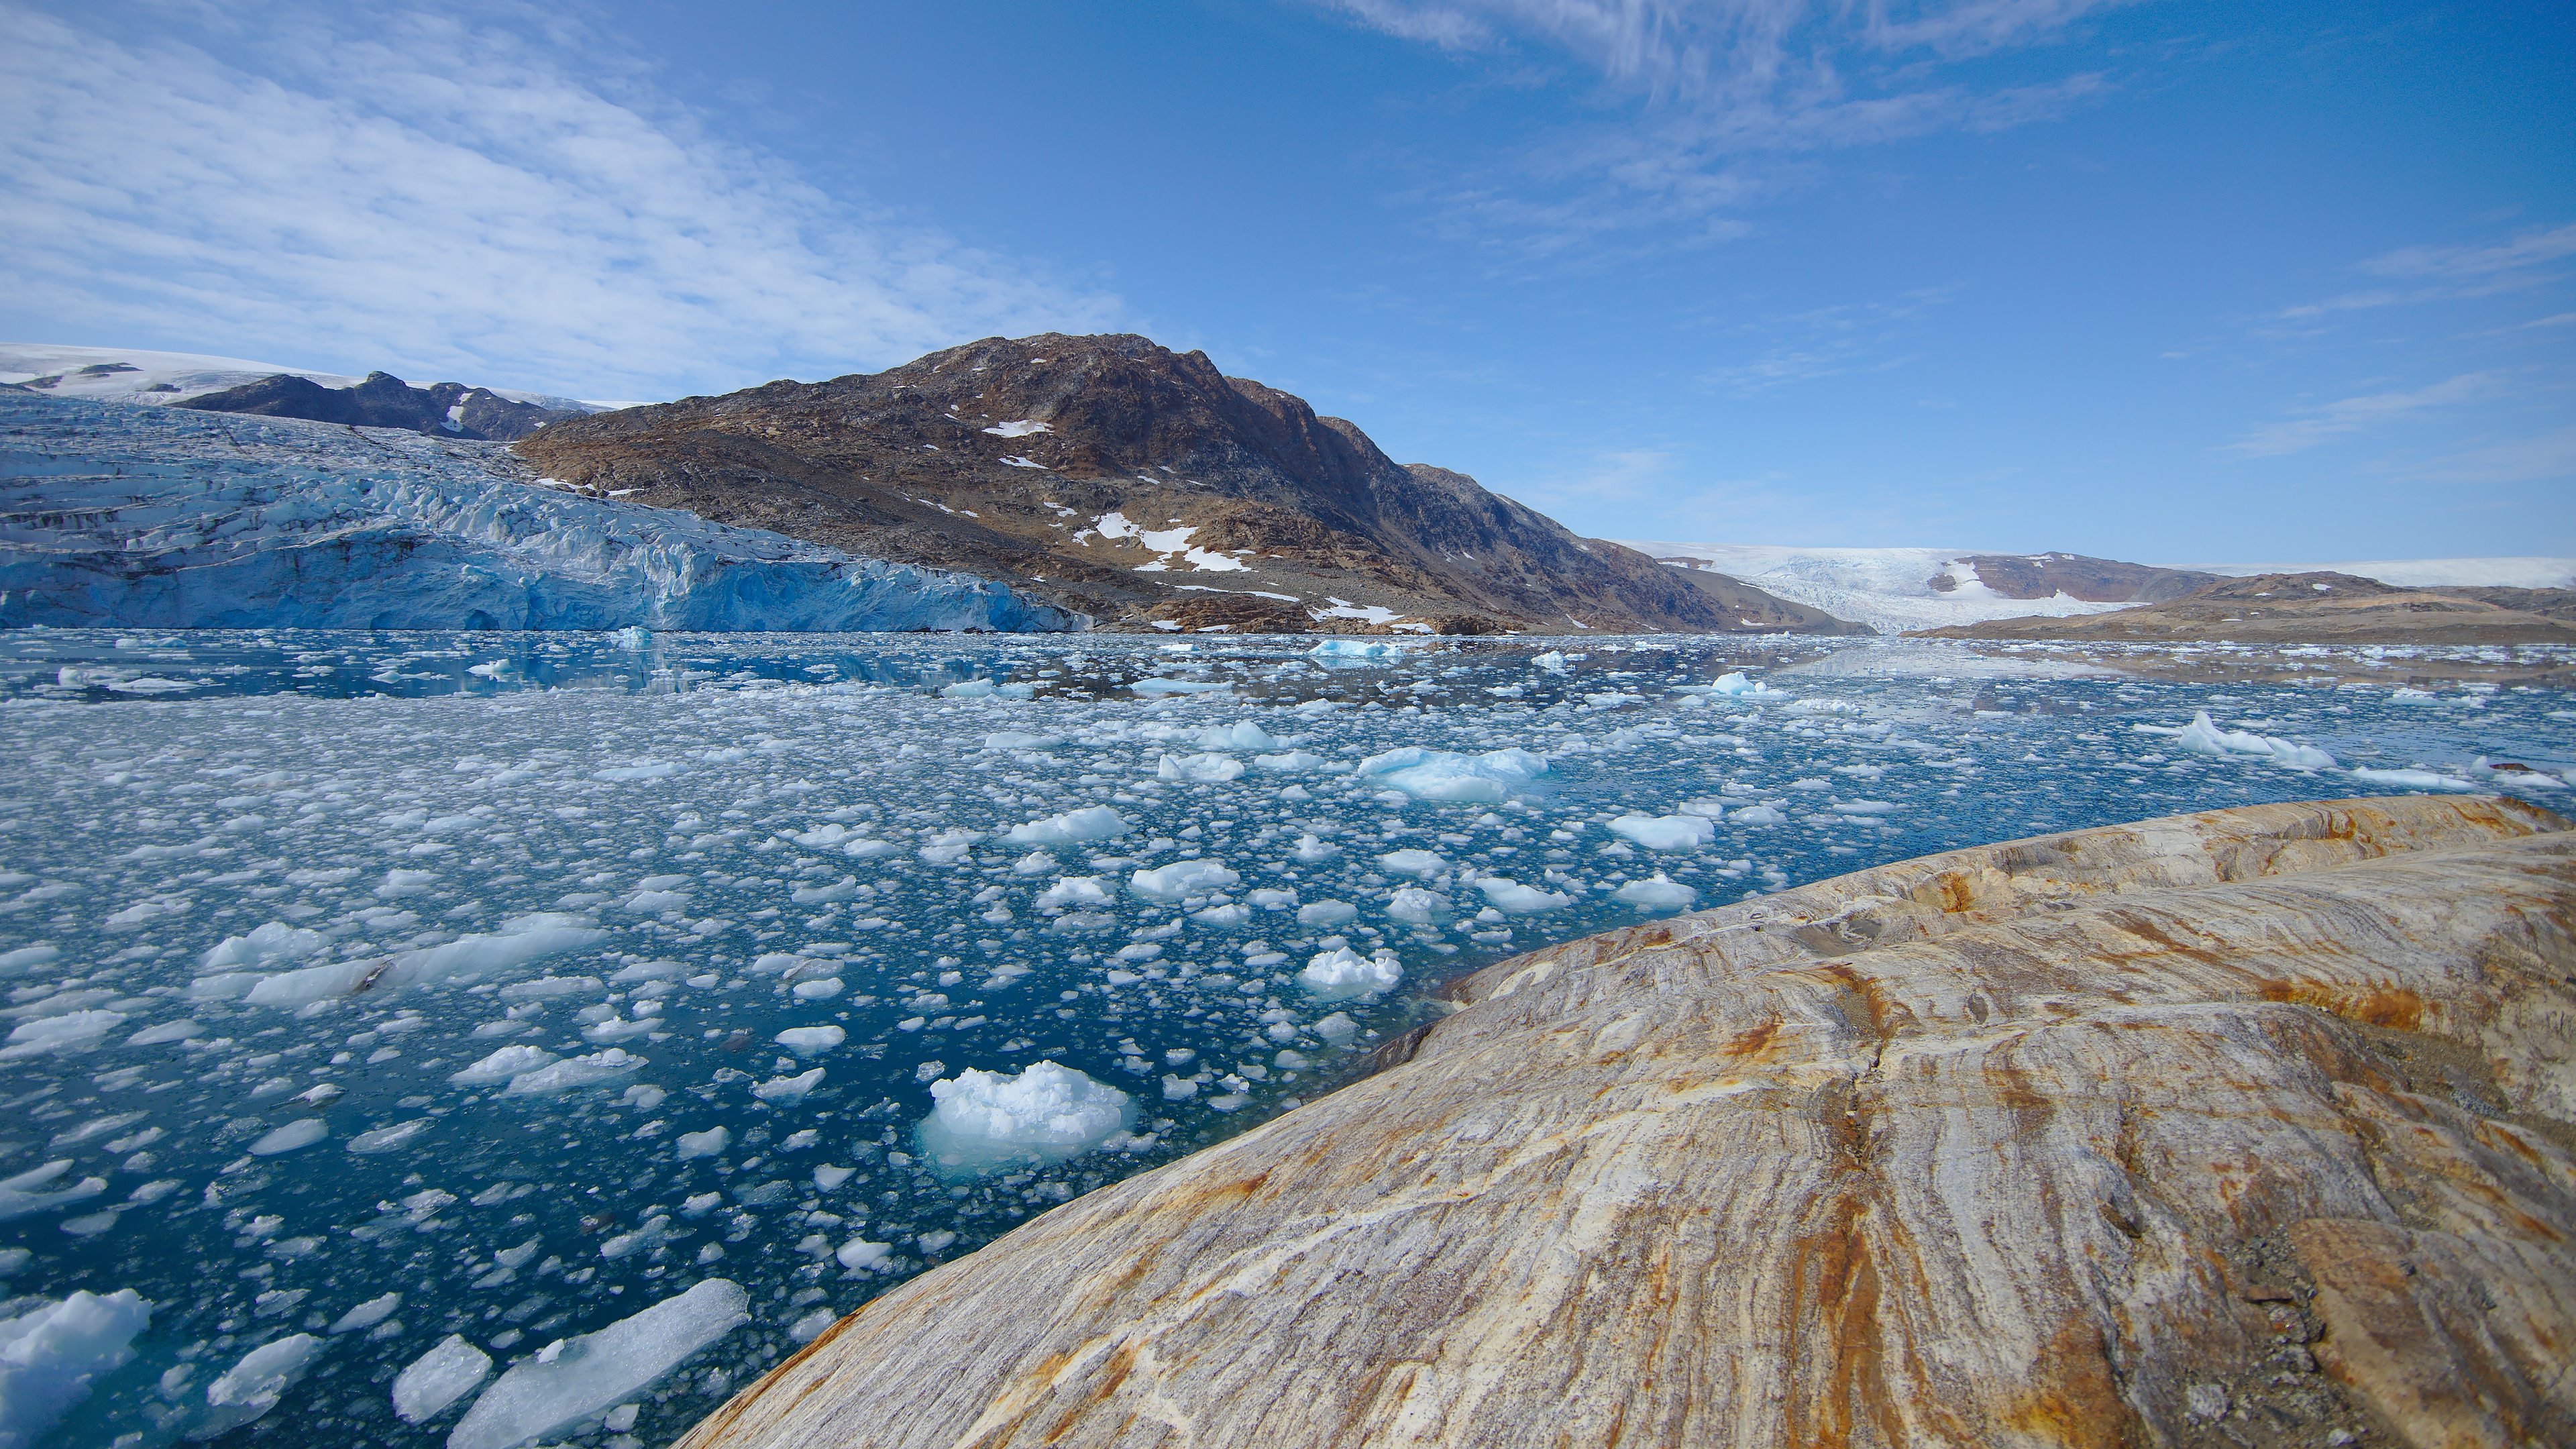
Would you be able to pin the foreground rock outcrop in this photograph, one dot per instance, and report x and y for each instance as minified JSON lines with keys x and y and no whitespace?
{"x":2246,"y":1127}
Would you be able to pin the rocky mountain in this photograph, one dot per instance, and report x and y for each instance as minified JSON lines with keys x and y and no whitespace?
{"x":2309,"y":608}
{"x":2248,"y":1128}
{"x":383,"y":400}
{"x":1143,"y":487}
{"x":2048,"y":575}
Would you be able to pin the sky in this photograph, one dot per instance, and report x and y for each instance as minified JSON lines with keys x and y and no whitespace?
{"x":2166,"y":281}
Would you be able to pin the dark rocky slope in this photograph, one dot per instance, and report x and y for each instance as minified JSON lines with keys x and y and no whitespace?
{"x":1138,"y":485}
{"x":2094,"y":580}
{"x":446,"y":409}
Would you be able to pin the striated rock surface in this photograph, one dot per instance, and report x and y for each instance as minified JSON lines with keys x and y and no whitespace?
{"x":2235,"y":1128}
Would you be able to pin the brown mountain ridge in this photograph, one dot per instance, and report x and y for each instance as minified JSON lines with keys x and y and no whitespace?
{"x":1143,"y":487}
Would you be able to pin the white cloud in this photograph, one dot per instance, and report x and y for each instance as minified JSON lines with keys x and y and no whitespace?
{"x":424,"y":192}
{"x":2522,"y":460}
{"x":2356,"y":414}
{"x":1737,"y":91}
{"x":2451,"y":273}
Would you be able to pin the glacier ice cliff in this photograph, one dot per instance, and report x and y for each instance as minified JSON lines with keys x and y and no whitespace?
{"x":125,"y":516}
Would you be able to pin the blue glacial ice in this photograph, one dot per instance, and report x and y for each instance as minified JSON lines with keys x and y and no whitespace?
{"x":484,"y":1039}
{"x":162,"y":518}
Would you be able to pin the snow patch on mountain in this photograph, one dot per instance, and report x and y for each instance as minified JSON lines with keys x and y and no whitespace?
{"x":135,"y":375}
{"x":165,"y":518}
{"x":2428,"y":573}
{"x":1888,"y":589}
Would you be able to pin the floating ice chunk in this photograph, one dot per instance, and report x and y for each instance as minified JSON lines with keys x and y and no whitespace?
{"x":387,"y":1139}
{"x":52,"y":1354}
{"x":368,"y":1314}
{"x":845,"y":889}
{"x":1075,"y":890}
{"x":275,"y":941}
{"x":2515,"y":777}
{"x":968,"y":689}
{"x":439,"y":1378}
{"x":1181,"y":686}
{"x":816,"y":989}
{"x":1417,"y":906}
{"x":860,"y":1255}
{"x":1204,"y":769}
{"x":1096,"y":822}
{"x":710,"y":1143}
{"x":521,"y":940}
{"x":51,"y":1033}
{"x":1183,"y":878}
{"x":27,"y":958}
{"x":1229,"y":914}
{"x":1666,"y":832}
{"x":2404,"y":694}
{"x":1294,"y":762}
{"x":574,"y":1072}
{"x":1452,"y":778}
{"x":1505,"y":894}
{"x":641,"y":770}
{"x":571,"y":1379}
{"x":1179,"y":1089}
{"x":1736,"y":682}
{"x":311,"y":984}
{"x":1658,"y":894}
{"x":18,"y":1195}
{"x":2203,"y":736}
{"x":807,"y":1040}
{"x":1020,"y":740}
{"x":1048,"y":1111}
{"x":550,"y":986}
{"x":1272,"y":899}
{"x":1552,"y":661}
{"x":502,"y":1065}
{"x":1327,"y":913}
{"x":1413,"y":862}
{"x":2412,"y":779}
{"x":1337,"y":1027}
{"x":789,"y":1089}
{"x":1758,"y":815}
{"x":1359,"y":648}
{"x":253,"y":1386}
{"x":303,"y":1132}
{"x":826,"y":1179}
{"x":168,"y":1031}
{"x":1344,"y":972}
{"x":1241,"y":735}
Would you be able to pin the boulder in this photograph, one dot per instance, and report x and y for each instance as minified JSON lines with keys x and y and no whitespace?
{"x":2245,"y":1127}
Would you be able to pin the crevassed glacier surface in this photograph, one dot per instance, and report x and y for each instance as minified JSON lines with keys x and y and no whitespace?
{"x":162,"y":518}
{"x":484,"y":1039}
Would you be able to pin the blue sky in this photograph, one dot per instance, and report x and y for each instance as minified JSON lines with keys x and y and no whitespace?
{"x":2168,"y":281}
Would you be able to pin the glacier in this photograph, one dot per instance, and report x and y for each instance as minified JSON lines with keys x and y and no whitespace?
{"x":123,"y":516}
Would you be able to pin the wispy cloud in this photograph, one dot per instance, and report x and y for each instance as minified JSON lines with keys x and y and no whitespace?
{"x":1734,"y":93}
{"x":437,"y":191}
{"x":2520,"y":460}
{"x":1828,"y":342}
{"x":2347,"y":416}
{"x":2450,"y":273}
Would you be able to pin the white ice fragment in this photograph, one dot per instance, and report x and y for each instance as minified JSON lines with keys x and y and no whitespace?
{"x":1666,"y":832}
{"x":861,"y":1255}
{"x":789,"y":1089}
{"x":816,"y":989}
{"x":1180,"y":686}
{"x":1736,"y":682}
{"x":438,"y":1378}
{"x":1327,"y":913}
{"x":253,"y":1386}
{"x":387,"y":1139}
{"x":1338,"y":1027}
{"x":273,"y":942}
{"x":1416,"y":906}
{"x":1310,"y":850}
{"x":807,"y":1040}
{"x":19,"y":1198}
{"x":2412,"y":779}
{"x":168,"y":1031}
{"x":709,"y":1143}
{"x":27,"y":958}
{"x":828,"y":1178}
{"x":1659,"y":894}
{"x":1505,"y":894}
{"x":52,"y":1033}
{"x":572,"y":1379}
{"x":1206,"y":768}
{"x":1096,"y":822}
{"x":1343,"y":972}
{"x":1759,"y":815}
{"x":1075,"y":890}
{"x":573,"y":1072}
{"x":1183,"y":878}
{"x":1413,"y":862}
{"x":1048,"y":1111}
{"x":51,"y":1354}
{"x":303,"y":1132}
{"x":368,"y":1314}
{"x":1293,"y":762}
{"x":1241,"y":735}
{"x":1449,"y":777}
{"x":502,"y":1065}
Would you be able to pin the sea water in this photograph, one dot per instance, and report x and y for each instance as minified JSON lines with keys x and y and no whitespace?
{"x":472,"y":1039}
